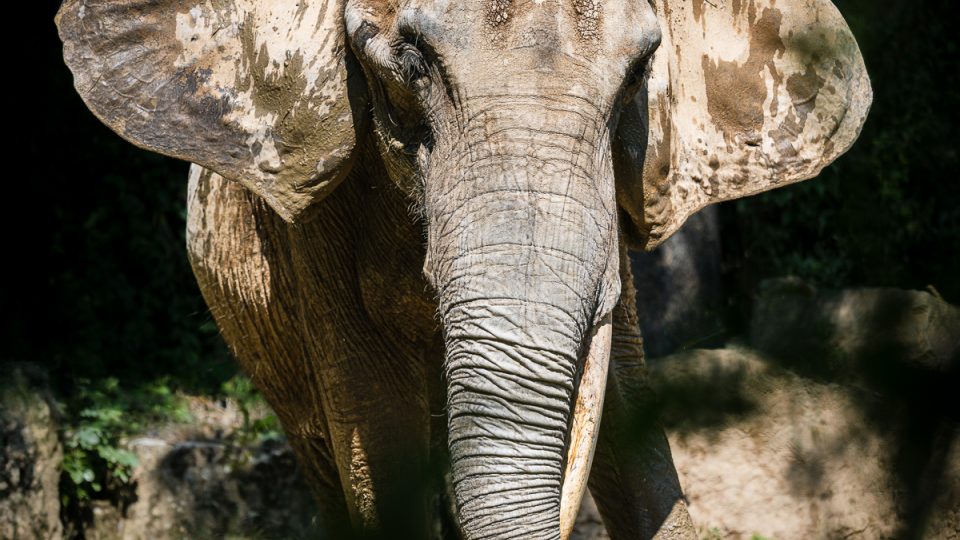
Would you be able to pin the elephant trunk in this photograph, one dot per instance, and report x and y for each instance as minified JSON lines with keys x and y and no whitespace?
{"x":523,"y":253}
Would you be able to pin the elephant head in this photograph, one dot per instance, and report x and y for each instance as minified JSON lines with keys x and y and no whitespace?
{"x":532,"y":138}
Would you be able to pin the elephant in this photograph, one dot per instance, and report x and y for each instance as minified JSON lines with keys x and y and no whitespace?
{"x":410,"y":220}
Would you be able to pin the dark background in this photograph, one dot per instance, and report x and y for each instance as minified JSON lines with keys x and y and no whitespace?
{"x":97,"y":282}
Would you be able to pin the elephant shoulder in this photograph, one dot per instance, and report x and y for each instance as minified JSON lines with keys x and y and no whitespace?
{"x":235,"y":242}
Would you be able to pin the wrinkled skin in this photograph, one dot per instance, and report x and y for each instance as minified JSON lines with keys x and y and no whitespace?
{"x":417,"y":249}
{"x":522,"y":249}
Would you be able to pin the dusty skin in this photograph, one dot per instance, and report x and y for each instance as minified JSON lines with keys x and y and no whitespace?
{"x":410,"y":220}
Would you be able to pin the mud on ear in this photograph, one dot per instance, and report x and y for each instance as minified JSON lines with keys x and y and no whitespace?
{"x":256,"y":91}
{"x":743,"y":96}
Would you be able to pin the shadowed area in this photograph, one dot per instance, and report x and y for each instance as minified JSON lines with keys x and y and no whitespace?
{"x":836,"y":412}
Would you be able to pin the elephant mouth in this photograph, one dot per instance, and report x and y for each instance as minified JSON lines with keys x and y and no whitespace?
{"x":585,"y":423}
{"x":400,"y":133}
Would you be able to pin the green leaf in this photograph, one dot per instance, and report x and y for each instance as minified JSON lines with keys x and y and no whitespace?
{"x":88,"y":437}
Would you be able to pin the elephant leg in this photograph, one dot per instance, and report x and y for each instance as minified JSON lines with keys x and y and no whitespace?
{"x":370,"y":381}
{"x":633,"y":479}
{"x":239,"y":252}
{"x":378,"y":426}
{"x":287,"y":301}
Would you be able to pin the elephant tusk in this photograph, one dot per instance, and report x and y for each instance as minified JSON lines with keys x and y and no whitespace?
{"x":588,"y":406}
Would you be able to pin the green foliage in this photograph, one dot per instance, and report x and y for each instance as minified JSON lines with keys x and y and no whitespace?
{"x":101,"y":414}
{"x":713,"y":533}
{"x":255,"y":426}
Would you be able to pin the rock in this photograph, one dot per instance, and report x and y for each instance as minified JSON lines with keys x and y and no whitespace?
{"x":589,"y":524}
{"x":30,"y":457}
{"x":186,"y":487}
{"x":224,"y":490}
{"x":108,"y":519}
{"x":679,"y":288}
{"x":864,"y":333}
{"x":761,"y":450}
{"x":153,"y":514}
{"x":944,"y":522}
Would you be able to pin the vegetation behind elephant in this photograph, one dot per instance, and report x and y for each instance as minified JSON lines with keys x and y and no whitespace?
{"x":410,"y":220}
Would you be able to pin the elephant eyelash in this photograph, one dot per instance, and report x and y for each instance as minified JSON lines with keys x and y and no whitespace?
{"x":637,"y":72}
{"x":417,"y":58}
{"x":412,"y":64}
{"x":636,"y":75}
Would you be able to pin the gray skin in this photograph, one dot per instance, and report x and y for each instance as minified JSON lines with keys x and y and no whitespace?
{"x":428,"y":211}
{"x":488,"y":316}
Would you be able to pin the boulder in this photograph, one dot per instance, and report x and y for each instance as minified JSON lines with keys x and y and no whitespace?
{"x":30,"y":457}
{"x":189,"y":486}
{"x":869,"y":333}
{"x":679,"y":288}
{"x":764,"y":451}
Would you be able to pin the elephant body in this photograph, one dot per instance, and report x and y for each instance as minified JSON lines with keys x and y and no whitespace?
{"x":372,"y":456}
{"x":410,"y":219}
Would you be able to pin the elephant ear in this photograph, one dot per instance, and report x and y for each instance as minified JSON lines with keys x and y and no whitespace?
{"x":254,"y":90}
{"x":743,"y":96}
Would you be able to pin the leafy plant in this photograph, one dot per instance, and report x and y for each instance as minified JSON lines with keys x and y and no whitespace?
{"x":255,"y":426}
{"x":103,"y":414}
{"x":713,"y":533}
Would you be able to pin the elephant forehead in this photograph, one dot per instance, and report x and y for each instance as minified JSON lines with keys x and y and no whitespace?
{"x":588,"y":30}
{"x":586,"y":14}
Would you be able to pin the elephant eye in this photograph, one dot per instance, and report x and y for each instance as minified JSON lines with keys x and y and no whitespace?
{"x":413,"y":66}
{"x":636,"y":75}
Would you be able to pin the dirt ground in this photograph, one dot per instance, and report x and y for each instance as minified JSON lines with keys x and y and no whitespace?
{"x":774,"y":455}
